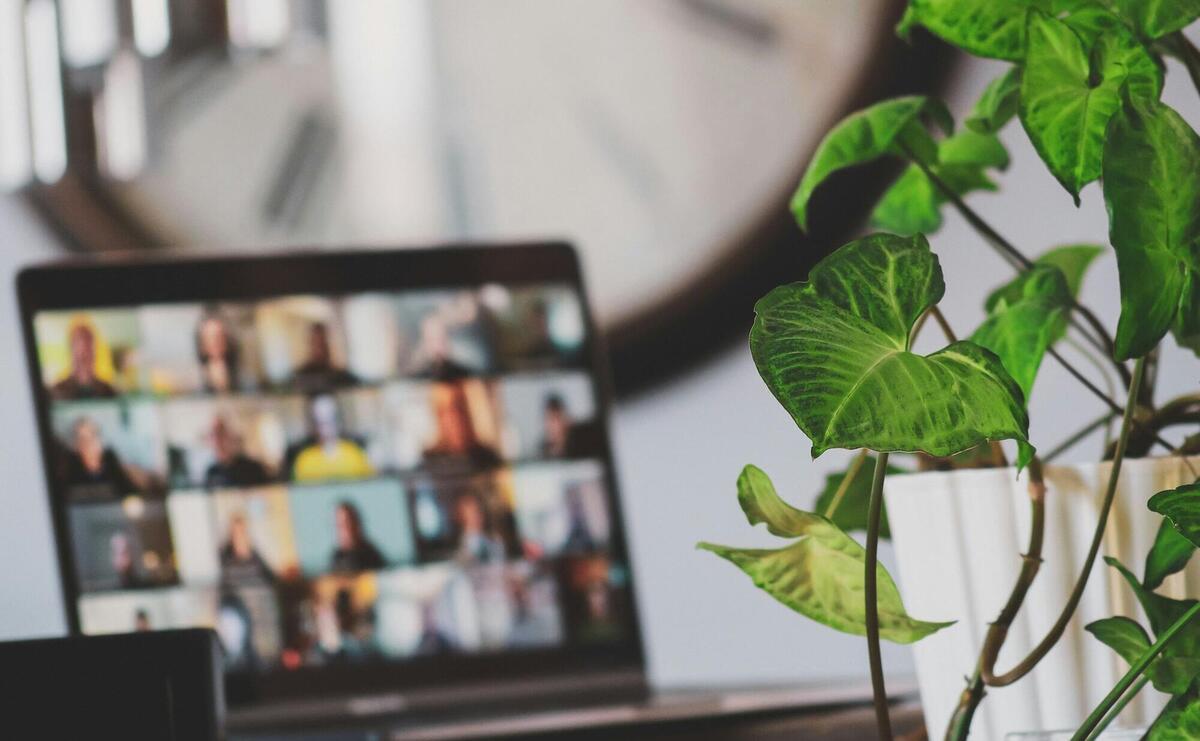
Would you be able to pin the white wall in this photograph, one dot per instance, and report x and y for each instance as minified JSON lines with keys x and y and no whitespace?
{"x":679,"y":450}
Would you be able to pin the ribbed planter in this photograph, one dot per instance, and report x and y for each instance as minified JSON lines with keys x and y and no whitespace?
{"x":958,"y":536}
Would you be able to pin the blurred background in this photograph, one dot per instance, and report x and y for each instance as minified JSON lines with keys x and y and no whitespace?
{"x":662,"y":137}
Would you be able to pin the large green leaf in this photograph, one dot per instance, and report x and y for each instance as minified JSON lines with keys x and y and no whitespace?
{"x":820,"y":575}
{"x":1169,"y":555}
{"x":1152,"y":188}
{"x":998,"y":104}
{"x":1187,"y":321}
{"x":1182,"y":507}
{"x":851,"y":512}
{"x":1156,"y":18}
{"x":892,"y":127}
{"x":1021,"y":332}
{"x":835,"y":352}
{"x":1070,"y":90}
{"x":912,"y":205}
{"x":1073,"y":260}
{"x":985,"y":28}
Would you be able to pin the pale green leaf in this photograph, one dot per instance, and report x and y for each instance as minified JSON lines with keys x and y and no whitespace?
{"x":1021,"y":332}
{"x":1069,"y":91}
{"x":1073,"y":260}
{"x":973,"y":148}
{"x":887,"y":128}
{"x":820,"y":575}
{"x":1182,"y":507}
{"x":1152,"y":187}
{"x":1169,"y":555}
{"x":851,"y":512}
{"x":835,"y":352}
{"x":911,"y":205}
{"x":998,"y":104}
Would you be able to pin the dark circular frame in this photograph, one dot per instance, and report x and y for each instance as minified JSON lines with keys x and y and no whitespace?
{"x":677,"y":334}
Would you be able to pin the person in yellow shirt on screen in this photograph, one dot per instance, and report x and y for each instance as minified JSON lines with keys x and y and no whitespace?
{"x":328,"y":454}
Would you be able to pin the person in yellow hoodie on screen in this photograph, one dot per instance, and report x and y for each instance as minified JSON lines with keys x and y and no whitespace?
{"x":328,"y":454}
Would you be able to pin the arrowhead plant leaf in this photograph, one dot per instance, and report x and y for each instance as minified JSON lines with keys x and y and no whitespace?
{"x":1151,"y":188}
{"x":835,"y":351}
{"x":1020,"y":331}
{"x":1180,"y":721}
{"x":1156,"y":18}
{"x":1182,"y":507}
{"x":1169,"y":555}
{"x":1070,"y":90}
{"x":890,"y":128}
{"x":820,"y":575}
{"x":998,"y":104}
{"x":1178,"y":665}
{"x":1121,"y":634}
{"x":913,"y":203}
{"x":985,"y":28}
{"x":1162,"y":612}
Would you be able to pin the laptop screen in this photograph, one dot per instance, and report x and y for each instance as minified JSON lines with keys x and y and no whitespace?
{"x":336,"y":479}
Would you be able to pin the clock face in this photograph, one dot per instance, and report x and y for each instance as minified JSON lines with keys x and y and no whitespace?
{"x":654,"y":134}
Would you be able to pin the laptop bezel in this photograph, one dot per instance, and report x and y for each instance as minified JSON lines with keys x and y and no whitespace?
{"x":136,"y":280}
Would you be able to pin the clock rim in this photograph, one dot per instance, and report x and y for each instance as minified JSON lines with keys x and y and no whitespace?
{"x":684,"y":329}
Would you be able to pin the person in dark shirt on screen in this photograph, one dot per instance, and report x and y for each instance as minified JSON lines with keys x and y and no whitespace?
{"x":218,"y":353}
{"x":318,"y":372}
{"x":434,"y":356}
{"x":354,"y":551}
{"x":241,"y":562}
{"x":81,"y":381}
{"x":92,"y":468}
{"x":232,"y":466}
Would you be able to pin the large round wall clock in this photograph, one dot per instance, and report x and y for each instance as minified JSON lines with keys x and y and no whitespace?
{"x":662,"y":137}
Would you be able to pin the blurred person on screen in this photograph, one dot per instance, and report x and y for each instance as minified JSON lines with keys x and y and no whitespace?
{"x":433,"y":356}
{"x":241,"y":562}
{"x":456,"y":439}
{"x":235,"y":629}
{"x":231,"y":467}
{"x":432,"y":640}
{"x":354,"y":551}
{"x":81,"y":381}
{"x":327,"y":453}
{"x":579,"y":536}
{"x":476,"y":542}
{"x":94,"y":467}
{"x":121,"y":558}
{"x":141,"y":621}
{"x":218,"y":352}
{"x":318,"y":372}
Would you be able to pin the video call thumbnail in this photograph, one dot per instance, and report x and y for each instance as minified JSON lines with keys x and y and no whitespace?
{"x":337,"y":479}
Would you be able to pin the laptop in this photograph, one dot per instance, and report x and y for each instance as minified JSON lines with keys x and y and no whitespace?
{"x":382,"y":477}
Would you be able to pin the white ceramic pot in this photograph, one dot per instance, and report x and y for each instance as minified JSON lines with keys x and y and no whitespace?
{"x":958,"y":536}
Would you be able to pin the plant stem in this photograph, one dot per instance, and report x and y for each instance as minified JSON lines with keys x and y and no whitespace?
{"x":1116,"y":709}
{"x":1114,"y":406}
{"x":1187,"y":53}
{"x":870,"y":589}
{"x":1134,"y":672}
{"x":1102,"y":341}
{"x":1078,"y":436}
{"x":998,"y":631}
{"x":944,"y":325}
{"x":855,"y":466}
{"x":960,"y":722}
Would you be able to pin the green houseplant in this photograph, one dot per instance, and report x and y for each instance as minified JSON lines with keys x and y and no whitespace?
{"x":836,"y":350}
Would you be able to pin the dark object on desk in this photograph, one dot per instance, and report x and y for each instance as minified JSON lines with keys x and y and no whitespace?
{"x":161,"y":685}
